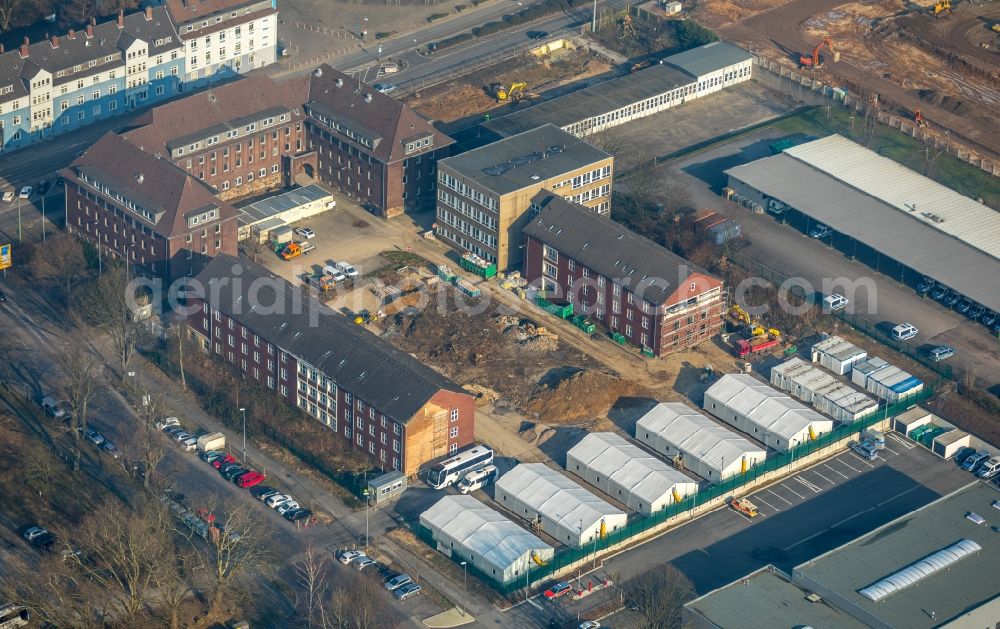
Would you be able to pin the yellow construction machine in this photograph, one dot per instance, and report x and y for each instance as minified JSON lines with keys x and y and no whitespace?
{"x":514,"y":94}
{"x":941,"y":7}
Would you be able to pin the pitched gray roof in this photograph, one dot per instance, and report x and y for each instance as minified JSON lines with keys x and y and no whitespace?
{"x":601,"y":244}
{"x":708,"y":58}
{"x":394,"y":382}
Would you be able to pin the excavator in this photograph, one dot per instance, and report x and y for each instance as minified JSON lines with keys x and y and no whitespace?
{"x":941,"y":7}
{"x":918,"y":118}
{"x":512,"y":95}
{"x":815,"y":60}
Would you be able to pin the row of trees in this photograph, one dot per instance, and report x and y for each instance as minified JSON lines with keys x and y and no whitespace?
{"x":69,"y":13}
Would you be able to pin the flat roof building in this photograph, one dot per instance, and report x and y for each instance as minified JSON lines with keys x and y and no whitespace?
{"x":894,"y":219}
{"x":467,"y":530}
{"x":628,"y":473}
{"x":557,"y":505}
{"x":763,"y":412}
{"x":822,"y":390}
{"x":885,"y":381}
{"x":257,"y":218}
{"x":707,"y":448}
{"x":837,"y":355}
{"x":484,"y":195}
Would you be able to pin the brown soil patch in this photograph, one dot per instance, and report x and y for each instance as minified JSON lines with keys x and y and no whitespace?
{"x":585,"y":394}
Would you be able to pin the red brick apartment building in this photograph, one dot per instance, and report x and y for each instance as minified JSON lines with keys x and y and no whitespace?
{"x":372,"y":146}
{"x":240,"y":138}
{"x":384,"y":401}
{"x":137,"y":207}
{"x":656,"y":299}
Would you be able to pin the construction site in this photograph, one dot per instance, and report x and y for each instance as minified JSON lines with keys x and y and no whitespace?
{"x":935,"y":63}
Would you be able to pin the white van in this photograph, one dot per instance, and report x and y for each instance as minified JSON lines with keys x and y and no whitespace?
{"x":477,"y":479}
{"x":904,"y":331}
{"x":834,"y":302}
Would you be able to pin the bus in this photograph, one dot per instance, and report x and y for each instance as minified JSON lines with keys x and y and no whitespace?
{"x":12,"y":615}
{"x":450,"y":470}
{"x":477,"y":479}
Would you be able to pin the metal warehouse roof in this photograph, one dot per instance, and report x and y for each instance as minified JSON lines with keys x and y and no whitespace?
{"x":594,"y":100}
{"x":925,"y":249}
{"x":709,"y":58}
{"x":482,"y":530}
{"x":902,"y":543}
{"x":764,"y":405}
{"x":628,"y":465}
{"x":911,"y":193}
{"x":272,"y":206}
{"x":696,"y":434}
{"x":552,"y":494}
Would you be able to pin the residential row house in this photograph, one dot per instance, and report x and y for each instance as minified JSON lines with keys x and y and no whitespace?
{"x":638,"y":290}
{"x":109,"y":69}
{"x":379,"y":399}
{"x":484,"y":195}
{"x":132,"y":205}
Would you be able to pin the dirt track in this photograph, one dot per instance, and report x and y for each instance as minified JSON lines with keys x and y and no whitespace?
{"x":783,"y":32}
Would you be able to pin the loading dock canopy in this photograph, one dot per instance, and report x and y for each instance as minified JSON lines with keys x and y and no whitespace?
{"x":895,"y":234}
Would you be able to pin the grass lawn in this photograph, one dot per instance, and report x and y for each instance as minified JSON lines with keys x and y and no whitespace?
{"x":947,"y":170}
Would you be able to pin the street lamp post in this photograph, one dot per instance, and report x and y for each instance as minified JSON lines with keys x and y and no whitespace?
{"x":243,"y":412}
{"x":367,"y":504}
{"x":465,"y":583}
{"x":19,"y":238}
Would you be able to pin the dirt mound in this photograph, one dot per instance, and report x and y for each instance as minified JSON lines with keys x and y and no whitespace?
{"x":583,"y":395}
{"x":451,"y":102}
{"x":944,"y":101}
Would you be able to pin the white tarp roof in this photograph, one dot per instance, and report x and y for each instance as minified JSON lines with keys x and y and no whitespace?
{"x":692,"y":432}
{"x":765,"y":406}
{"x":908,"y":191}
{"x":839,"y":348}
{"x":555,"y":496}
{"x":481,"y":530}
{"x":628,"y":465}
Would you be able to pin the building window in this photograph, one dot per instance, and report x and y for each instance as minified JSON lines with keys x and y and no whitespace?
{"x":550,"y":253}
{"x":453,"y":432}
{"x":454,"y":414}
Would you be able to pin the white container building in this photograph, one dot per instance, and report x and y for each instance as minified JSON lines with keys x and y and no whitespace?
{"x":467,"y":530}
{"x":837,"y":355}
{"x":707,"y":448}
{"x":628,"y":473}
{"x":865,"y":369}
{"x":886,"y":381}
{"x":766,"y":414}
{"x":822,"y":390}
{"x":562,"y":508}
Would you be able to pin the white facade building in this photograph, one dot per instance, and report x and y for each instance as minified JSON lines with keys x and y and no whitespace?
{"x":467,"y":530}
{"x":708,"y":449}
{"x":837,"y":355}
{"x":628,"y":473}
{"x":763,"y":412}
{"x":886,"y":381}
{"x":822,"y":390}
{"x":560,"y":507}
{"x":714,"y":66}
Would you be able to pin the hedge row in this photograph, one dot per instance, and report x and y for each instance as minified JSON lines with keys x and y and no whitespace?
{"x":528,"y":14}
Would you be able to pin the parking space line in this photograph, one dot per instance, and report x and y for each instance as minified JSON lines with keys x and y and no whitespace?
{"x":532,"y":601}
{"x":902,"y":441}
{"x":779,"y":497}
{"x":791,"y":490}
{"x":816,"y":472}
{"x":888,"y":449}
{"x":815,"y":488}
{"x":868,"y":463}
{"x":834,"y":471}
{"x":764,"y":502}
{"x":845,"y":464}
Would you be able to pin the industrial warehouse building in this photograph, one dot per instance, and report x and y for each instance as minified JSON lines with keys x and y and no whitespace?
{"x":628,"y":473}
{"x":709,"y":450}
{"x":557,"y":505}
{"x":837,"y":355}
{"x":826,"y":393}
{"x":933,"y":567}
{"x":764,"y":413}
{"x":899,"y":222}
{"x":885,"y":381}
{"x":467,"y":530}
{"x":676,"y":80}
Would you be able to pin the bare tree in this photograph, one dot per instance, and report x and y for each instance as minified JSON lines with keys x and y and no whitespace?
{"x":56,"y":594}
{"x":313,"y":576}
{"x":7,"y":9}
{"x":173,"y":579}
{"x":39,"y":467}
{"x":252,"y":247}
{"x":236,"y":551}
{"x":108,"y":304}
{"x":659,"y":595}
{"x":83,"y":378}
{"x":60,"y":261}
{"x":147,"y":444}
{"x":641,"y":183}
{"x":354,"y":603}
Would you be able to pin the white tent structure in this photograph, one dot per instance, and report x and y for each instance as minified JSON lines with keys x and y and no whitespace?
{"x":563,"y":509}
{"x":766,"y":414}
{"x":467,"y":530}
{"x":708,"y":449}
{"x":822,"y":390}
{"x":628,"y":473}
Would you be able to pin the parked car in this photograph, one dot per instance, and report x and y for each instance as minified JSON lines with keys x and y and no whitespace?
{"x":93,"y":436}
{"x":963,"y":454}
{"x":363,"y":562}
{"x":234,"y":471}
{"x":297,"y":514}
{"x":939,"y":292}
{"x":287,"y":506}
{"x":338,"y":276}
{"x":989,"y":318}
{"x":3,"y":297}
{"x":557,"y":590}
{"x":24,"y":193}
{"x":189,"y":444}
{"x":865,"y":449}
{"x":59,"y":410}
{"x":218,"y":463}
{"x":952,"y":299}
{"x":397,"y":582}
{"x":384,"y":88}
{"x":39,"y":538}
{"x":347,"y":556}
{"x":989,"y":469}
{"x":111,"y":449}
{"x":347,"y":269}
{"x":820,"y":231}
{"x":167,"y":422}
{"x":925,"y":285}
{"x":904,"y":331}
{"x":180,"y":435}
{"x":537,"y":34}
{"x":277,"y":500}
{"x":211,"y":455}
{"x":834,"y":302}
{"x":972,"y":462}
{"x":941,"y":352}
{"x":248,"y":480}
{"x":589,"y":624}
{"x":263,"y":492}
{"x":305,"y":232}
{"x":963,"y":306}
{"x":407,"y":591}
{"x":975,"y":312}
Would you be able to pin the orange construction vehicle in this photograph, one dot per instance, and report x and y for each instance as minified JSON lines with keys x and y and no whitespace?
{"x":919,"y":119}
{"x":744,"y":506}
{"x":815,"y":60}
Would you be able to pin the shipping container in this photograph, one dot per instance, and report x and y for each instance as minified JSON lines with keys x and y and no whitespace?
{"x":837,"y":355}
{"x":827,"y":394}
{"x":865,"y":369}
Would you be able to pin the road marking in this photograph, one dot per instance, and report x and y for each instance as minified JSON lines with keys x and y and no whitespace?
{"x":762,"y":501}
{"x":777,"y":496}
{"x":902,"y":441}
{"x":888,"y":449}
{"x":834,"y":471}
{"x":858,"y":457}
{"x":532,"y":601}
{"x":791,"y":490}
{"x":814,"y":471}
{"x":845,"y":464}
{"x":807,"y":484}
